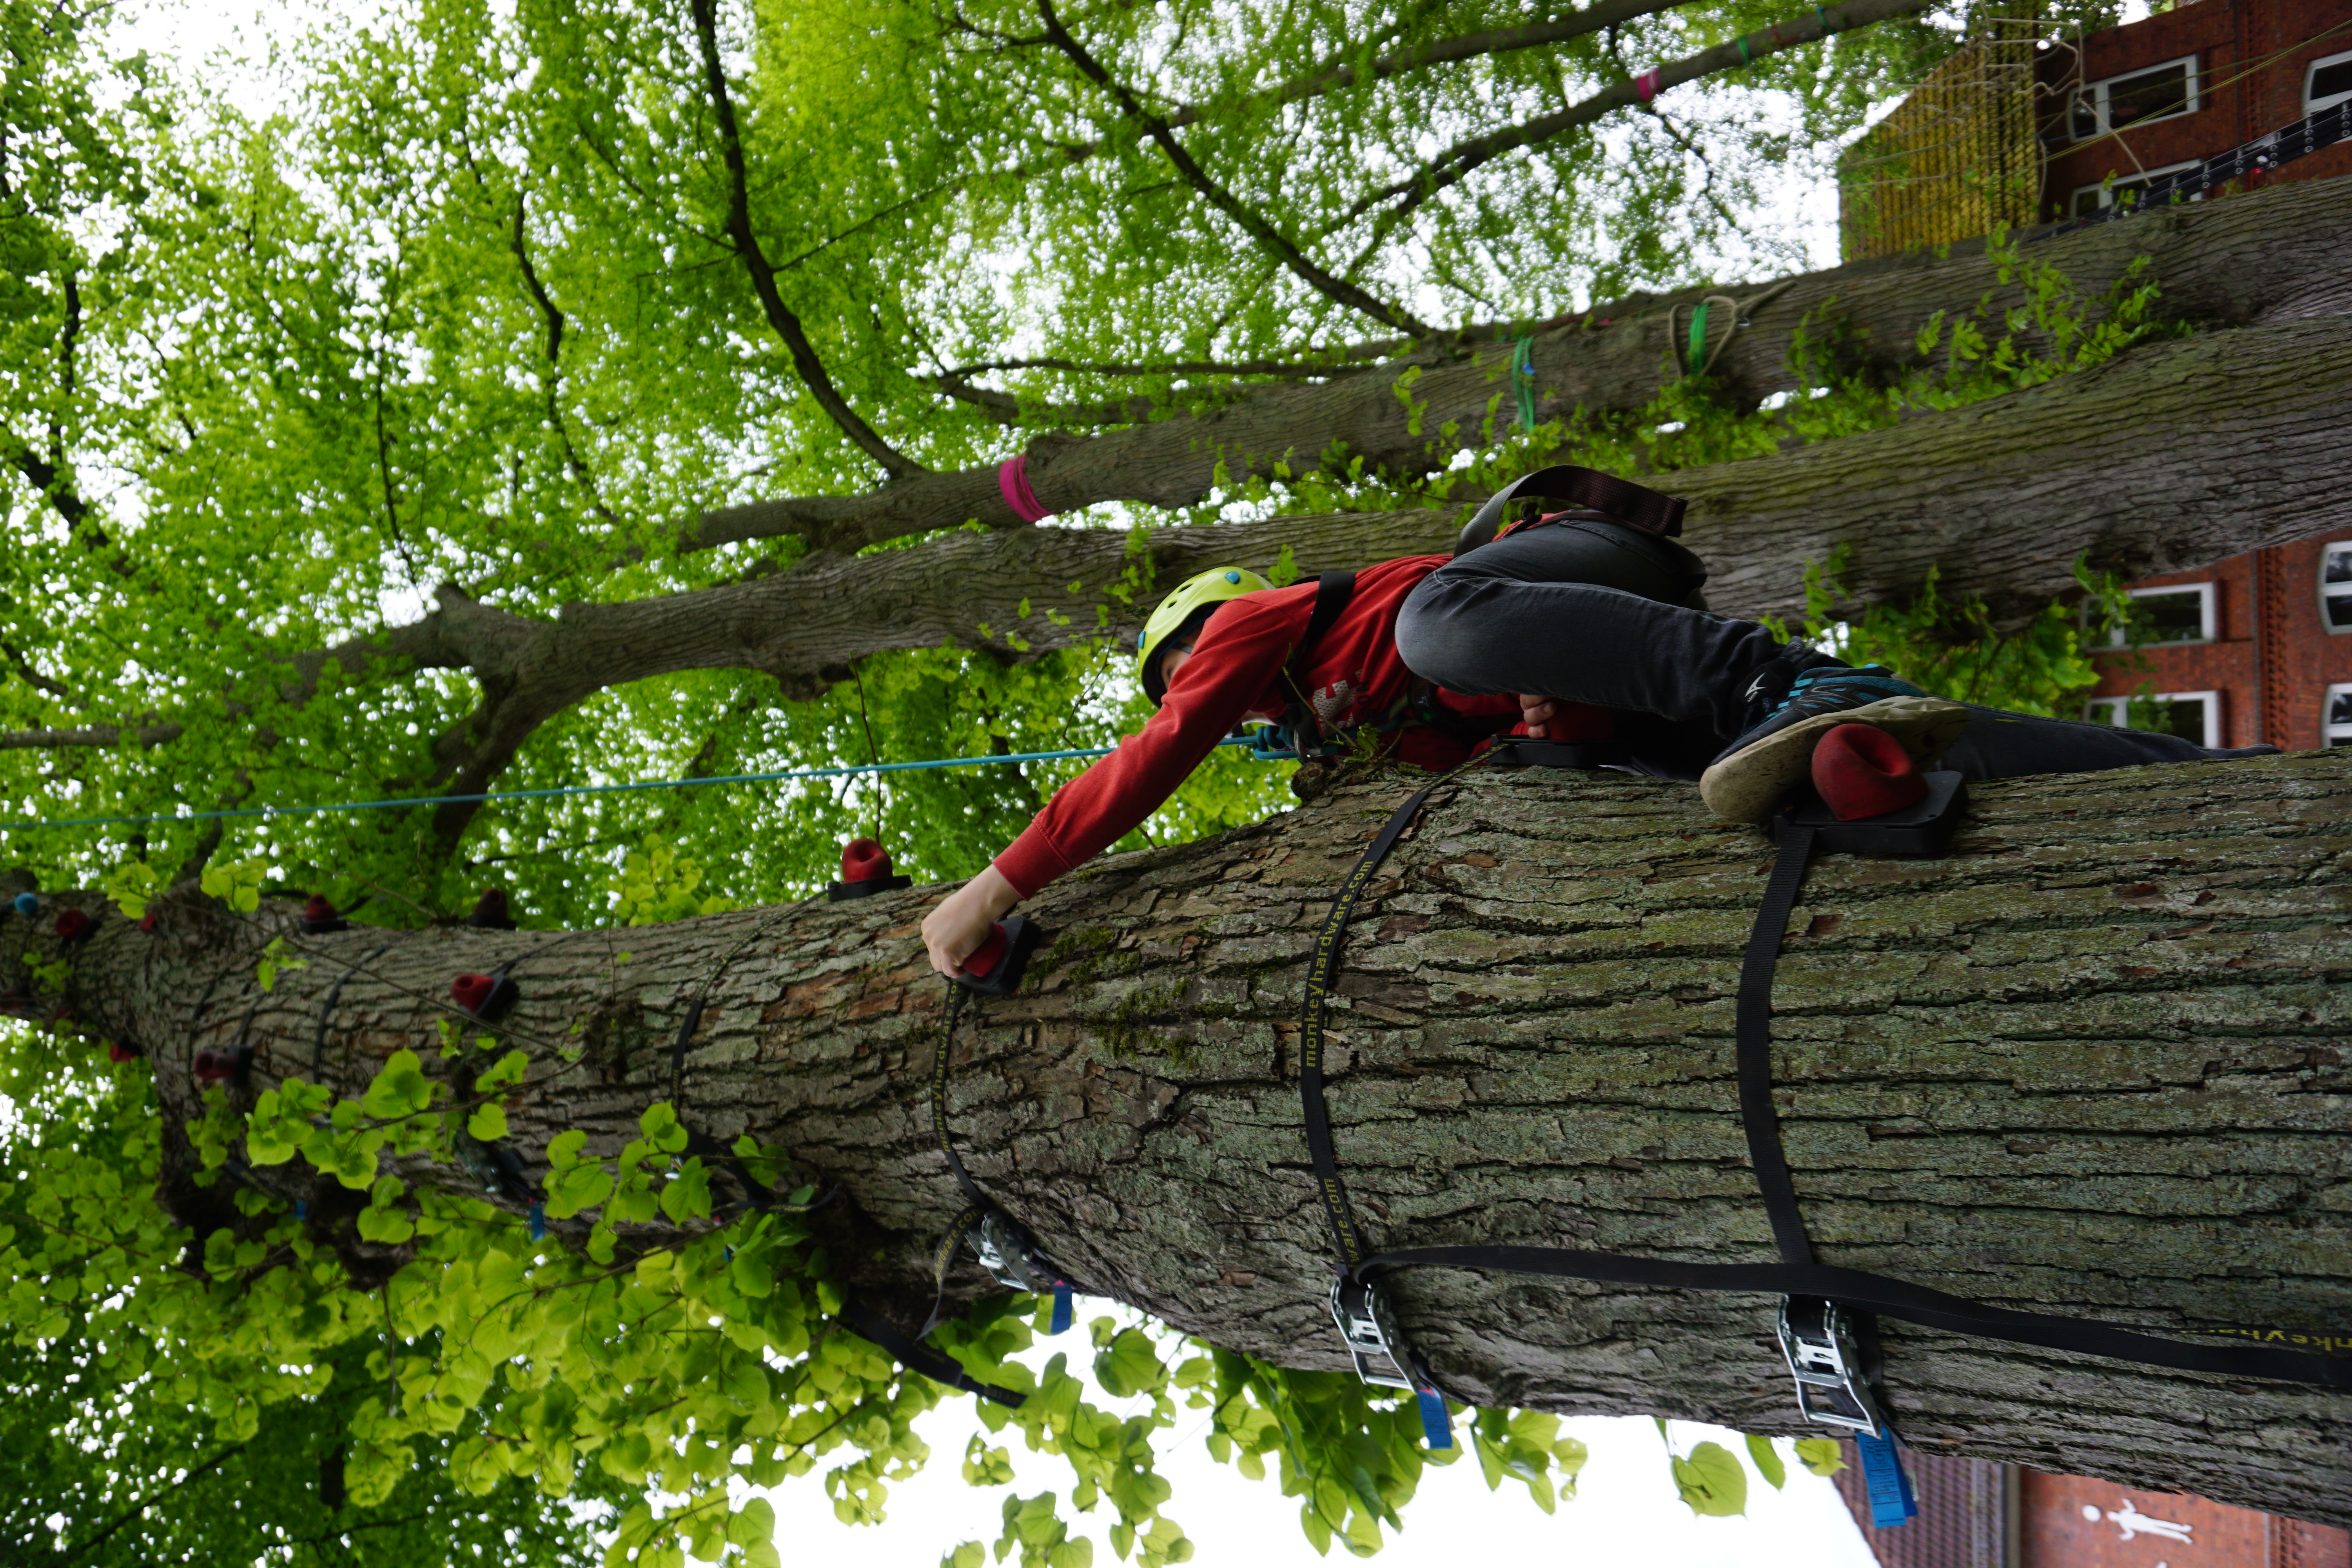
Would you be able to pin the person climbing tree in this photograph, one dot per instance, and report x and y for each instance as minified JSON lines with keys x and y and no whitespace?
{"x":1582,"y":626}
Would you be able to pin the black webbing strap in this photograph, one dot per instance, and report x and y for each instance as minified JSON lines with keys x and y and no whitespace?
{"x":1623,"y":500}
{"x":1320,"y":971}
{"x":1892,"y":1298}
{"x":693,"y":1019}
{"x":327,"y":1008}
{"x":935,"y":1364}
{"x":942,"y":1059}
{"x":1753,"y":1032}
{"x":1797,"y":1274}
{"x":1333,"y":590}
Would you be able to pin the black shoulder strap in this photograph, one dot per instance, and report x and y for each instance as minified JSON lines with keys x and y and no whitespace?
{"x":1333,"y":590}
{"x":1636,"y":506}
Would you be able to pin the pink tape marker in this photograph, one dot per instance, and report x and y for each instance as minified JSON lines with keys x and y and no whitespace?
{"x":1013,"y":483}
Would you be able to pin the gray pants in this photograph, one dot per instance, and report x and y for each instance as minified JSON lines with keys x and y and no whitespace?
{"x":1686,"y":683}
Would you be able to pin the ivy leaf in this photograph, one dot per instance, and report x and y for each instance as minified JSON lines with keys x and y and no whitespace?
{"x":488,"y":1123}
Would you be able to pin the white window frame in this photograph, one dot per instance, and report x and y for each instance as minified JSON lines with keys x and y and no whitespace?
{"x":2106,"y":188}
{"x":2112,"y":709}
{"x":2312,"y":69}
{"x":2334,"y":734}
{"x":2207,"y":622}
{"x":2097,"y":91}
{"x":2328,"y":590}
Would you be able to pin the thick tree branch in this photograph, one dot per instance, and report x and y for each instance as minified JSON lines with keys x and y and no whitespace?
{"x":2277,"y":254}
{"x":1342,"y":73}
{"x":1451,"y":166}
{"x":2105,"y":1027}
{"x":745,"y":242}
{"x":1250,"y":221}
{"x":2255,"y":416}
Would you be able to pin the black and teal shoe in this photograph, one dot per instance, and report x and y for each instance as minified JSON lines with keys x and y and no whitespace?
{"x":1755,"y":773}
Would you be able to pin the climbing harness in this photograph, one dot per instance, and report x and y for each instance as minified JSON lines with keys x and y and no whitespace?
{"x":1826,"y":1332}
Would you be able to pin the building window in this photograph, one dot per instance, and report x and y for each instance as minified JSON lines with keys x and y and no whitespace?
{"x":2327,"y":82}
{"x":2089,"y":199}
{"x":2158,"y":93}
{"x":2168,"y":617}
{"x":2335,"y":716}
{"x":2191,"y":715}
{"x":2335,"y":586}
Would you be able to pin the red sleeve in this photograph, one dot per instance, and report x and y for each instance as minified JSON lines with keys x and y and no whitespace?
{"x":1234,"y":665}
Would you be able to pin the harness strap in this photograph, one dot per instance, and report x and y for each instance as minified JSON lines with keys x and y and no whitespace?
{"x":1333,"y":590}
{"x":1893,"y":1298}
{"x":1005,"y":1248}
{"x":931,"y":1364}
{"x":1320,"y":971}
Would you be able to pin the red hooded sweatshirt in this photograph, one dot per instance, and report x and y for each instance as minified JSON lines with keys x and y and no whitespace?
{"x":1235,"y":673}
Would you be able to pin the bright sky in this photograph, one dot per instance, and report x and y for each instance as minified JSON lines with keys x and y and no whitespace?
{"x":1626,"y":1511}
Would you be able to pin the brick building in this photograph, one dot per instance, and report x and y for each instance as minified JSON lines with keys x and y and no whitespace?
{"x":2160,"y":95}
{"x":1976,"y":1514}
{"x":2255,"y":648}
{"x":2025,"y":125}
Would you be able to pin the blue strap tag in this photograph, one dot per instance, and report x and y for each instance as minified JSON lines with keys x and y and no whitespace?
{"x":1063,"y":1313}
{"x":301,"y":1209}
{"x":539,"y":1222}
{"x":1436,"y":1424}
{"x":1884,"y":1478}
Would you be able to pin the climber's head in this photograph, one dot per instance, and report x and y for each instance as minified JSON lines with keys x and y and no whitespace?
{"x":1179,"y":619}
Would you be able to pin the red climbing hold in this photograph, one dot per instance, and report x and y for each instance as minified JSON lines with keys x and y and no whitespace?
{"x":116,"y":1051}
{"x":215,"y":1066}
{"x":864,"y":861}
{"x":75,"y":925}
{"x":484,"y":995}
{"x":147,"y":920}
{"x":320,"y":917}
{"x":490,"y":912}
{"x":865,"y":871}
{"x":1861,"y":771}
{"x":981,"y":959}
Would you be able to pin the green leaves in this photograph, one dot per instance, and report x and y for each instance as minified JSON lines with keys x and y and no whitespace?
{"x":400,"y":1088}
{"x":1712,"y":1481}
{"x":131,"y":884}
{"x":236,"y":884}
{"x":1766,"y":1460}
{"x":1821,"y":1456}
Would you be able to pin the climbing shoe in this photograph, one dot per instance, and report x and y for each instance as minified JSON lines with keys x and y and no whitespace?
{"x":1752,"y":776}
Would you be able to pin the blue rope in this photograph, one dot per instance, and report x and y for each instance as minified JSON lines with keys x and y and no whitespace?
{"x":586,"y":789}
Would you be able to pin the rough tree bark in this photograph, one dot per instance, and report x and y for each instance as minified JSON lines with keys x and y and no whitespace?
{"x":2090,"y":1062}
{"x":2279,"y":255}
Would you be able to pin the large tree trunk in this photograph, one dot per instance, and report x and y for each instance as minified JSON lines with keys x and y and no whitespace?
{"x":2089,"y":1062}
{"x":2276,"y":255}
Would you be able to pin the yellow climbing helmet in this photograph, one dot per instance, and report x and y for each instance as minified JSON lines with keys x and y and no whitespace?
{"x":1196,"y":595}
